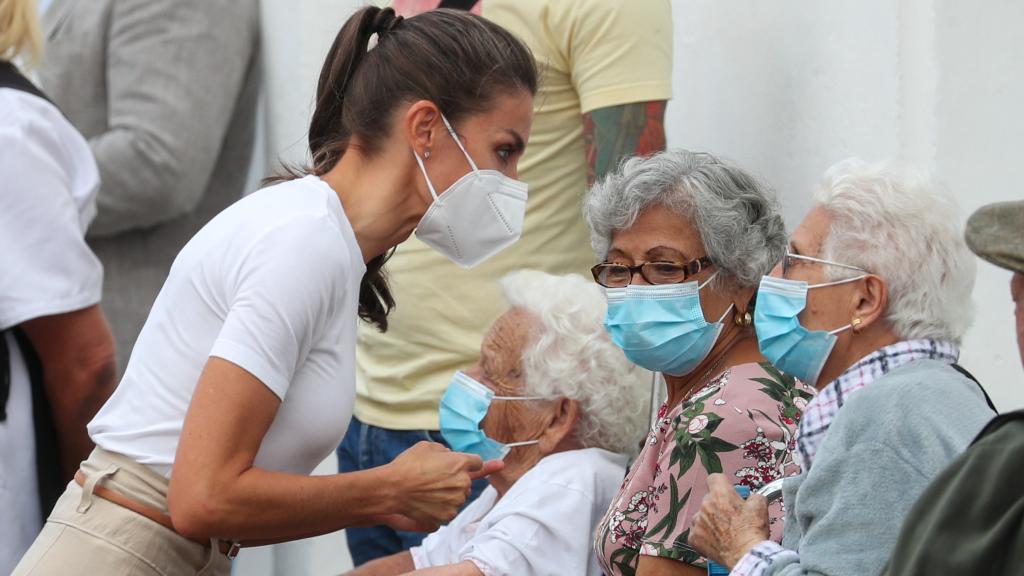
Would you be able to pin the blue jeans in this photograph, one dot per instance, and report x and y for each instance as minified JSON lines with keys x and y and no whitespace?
{"x":366,"y":446}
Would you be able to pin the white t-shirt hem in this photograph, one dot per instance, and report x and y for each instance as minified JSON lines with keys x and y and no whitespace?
{"x":90,"y":297}
{"x":253,"y":363}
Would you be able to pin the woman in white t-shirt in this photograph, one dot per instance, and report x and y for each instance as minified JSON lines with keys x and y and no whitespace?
{"x":243,"y":376}
{"x":56,"y":350}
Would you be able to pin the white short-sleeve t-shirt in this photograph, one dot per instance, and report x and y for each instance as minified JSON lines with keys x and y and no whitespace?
{"x":544,"y":524}
{"x":48,"y":184}
{"x":272,"y":285}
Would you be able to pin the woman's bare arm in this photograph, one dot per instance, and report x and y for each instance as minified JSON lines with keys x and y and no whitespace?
{"x":215,"y":490}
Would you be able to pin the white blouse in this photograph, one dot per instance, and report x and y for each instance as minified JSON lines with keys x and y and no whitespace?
{"x":543,"y":525}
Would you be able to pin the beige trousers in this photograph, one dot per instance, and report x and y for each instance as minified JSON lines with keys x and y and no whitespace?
{"x":87,"y":535}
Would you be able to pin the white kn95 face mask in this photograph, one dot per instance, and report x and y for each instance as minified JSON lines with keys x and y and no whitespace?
{"x":478,"y":216}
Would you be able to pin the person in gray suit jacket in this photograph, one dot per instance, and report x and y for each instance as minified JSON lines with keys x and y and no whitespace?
{"x":165,"y":92}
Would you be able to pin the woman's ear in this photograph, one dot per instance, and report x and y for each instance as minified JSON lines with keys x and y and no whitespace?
{"x":561,"y":422}
{"x":870,"y":300}
{"x":419,"y":125}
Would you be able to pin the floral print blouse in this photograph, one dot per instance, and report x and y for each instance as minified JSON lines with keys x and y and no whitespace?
{"x":742,"y":424}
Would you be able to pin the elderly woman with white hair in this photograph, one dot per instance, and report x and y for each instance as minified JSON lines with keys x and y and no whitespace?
{"x":558,"y":401}
{"x":870,"y":306}
{"x":684,"y":239}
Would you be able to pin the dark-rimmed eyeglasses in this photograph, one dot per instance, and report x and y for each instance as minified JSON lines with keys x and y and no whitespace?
{"x":611,"y":275}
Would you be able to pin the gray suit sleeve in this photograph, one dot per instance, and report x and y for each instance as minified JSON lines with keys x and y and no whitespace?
{"x":174,"y":72}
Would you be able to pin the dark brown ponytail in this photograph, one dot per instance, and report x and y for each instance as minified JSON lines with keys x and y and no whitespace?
{"x":455,"y":59}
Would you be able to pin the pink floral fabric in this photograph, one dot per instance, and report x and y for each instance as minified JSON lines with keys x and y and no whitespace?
{"x":743,"y":424}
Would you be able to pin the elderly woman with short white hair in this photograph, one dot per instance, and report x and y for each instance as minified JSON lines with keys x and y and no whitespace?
{"x":558,"y":401}
{"x":870,"y":305}
{"x":683,"y":239}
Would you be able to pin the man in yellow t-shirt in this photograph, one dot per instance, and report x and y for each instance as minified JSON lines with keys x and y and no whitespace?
{"x":605,"y":78}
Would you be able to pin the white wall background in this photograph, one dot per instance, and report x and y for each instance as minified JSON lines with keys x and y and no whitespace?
{"x":788,"y":88}
{"x":784,"y":88}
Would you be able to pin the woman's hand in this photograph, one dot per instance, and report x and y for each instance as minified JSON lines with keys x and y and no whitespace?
{"x":433,"y":482}
{"x":726,"y":527}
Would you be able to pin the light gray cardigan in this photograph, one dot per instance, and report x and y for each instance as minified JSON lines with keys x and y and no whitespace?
{"x":885,"y":445}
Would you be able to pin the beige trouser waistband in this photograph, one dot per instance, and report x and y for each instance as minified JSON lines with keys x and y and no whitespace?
{"x":108,"y":538}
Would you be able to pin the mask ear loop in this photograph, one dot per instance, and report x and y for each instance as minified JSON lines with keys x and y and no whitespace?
{"x":838,"y":330}
{"x":837,"y":283}
{"x":705,"y":283}
{"x":423,"y":169}
{"x":726,"y":313}
{"x":708,"y":281}
{"x":525,"y":442}
{"x":459,"y":143}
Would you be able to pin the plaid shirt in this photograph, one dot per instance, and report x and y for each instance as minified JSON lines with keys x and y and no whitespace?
{"x":822,"y":410}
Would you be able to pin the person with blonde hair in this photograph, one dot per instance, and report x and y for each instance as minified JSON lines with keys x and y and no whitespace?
{"x":19,"y":31}
{"x":56,"y":351}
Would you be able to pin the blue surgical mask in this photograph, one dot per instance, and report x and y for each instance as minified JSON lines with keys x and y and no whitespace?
{"x":662,"y":327}
{"x":463,"y":407}
{"x":789,"y":346}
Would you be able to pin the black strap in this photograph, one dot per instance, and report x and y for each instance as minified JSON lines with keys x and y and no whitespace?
{"x":971,"y":377}
{"x":10,"y":77}
{"x":458,"y":4}
{"x":51,"y":483}
{"x":998,"y":422}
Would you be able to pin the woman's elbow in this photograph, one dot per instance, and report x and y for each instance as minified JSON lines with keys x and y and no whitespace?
{"x":195,"y":514}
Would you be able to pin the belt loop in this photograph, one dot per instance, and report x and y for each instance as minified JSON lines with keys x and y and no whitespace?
{"x":90,"y":483}
{"x":214,"y":550}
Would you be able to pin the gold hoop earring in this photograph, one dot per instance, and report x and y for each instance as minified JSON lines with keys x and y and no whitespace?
{"x":743,"y":320}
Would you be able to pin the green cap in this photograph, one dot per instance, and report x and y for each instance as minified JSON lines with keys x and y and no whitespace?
{"x":996,"y":233}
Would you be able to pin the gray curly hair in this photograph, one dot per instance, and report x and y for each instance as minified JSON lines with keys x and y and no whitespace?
{"x":736,"y":215}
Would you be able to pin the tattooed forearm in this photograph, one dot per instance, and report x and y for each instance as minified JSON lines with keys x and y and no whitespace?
{"x":616,"y":132}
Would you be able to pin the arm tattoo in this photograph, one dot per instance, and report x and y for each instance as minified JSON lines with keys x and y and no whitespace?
{"x":616,"y":132}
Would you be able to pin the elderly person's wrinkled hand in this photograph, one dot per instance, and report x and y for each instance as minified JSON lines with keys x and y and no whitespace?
{"x":726,"y":527}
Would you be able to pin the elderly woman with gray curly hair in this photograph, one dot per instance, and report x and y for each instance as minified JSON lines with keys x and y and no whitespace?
{"x":683,"y":240}
{"x":555,"y":398}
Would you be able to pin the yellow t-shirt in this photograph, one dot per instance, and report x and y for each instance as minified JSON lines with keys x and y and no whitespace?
{"x":592,"y":54}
